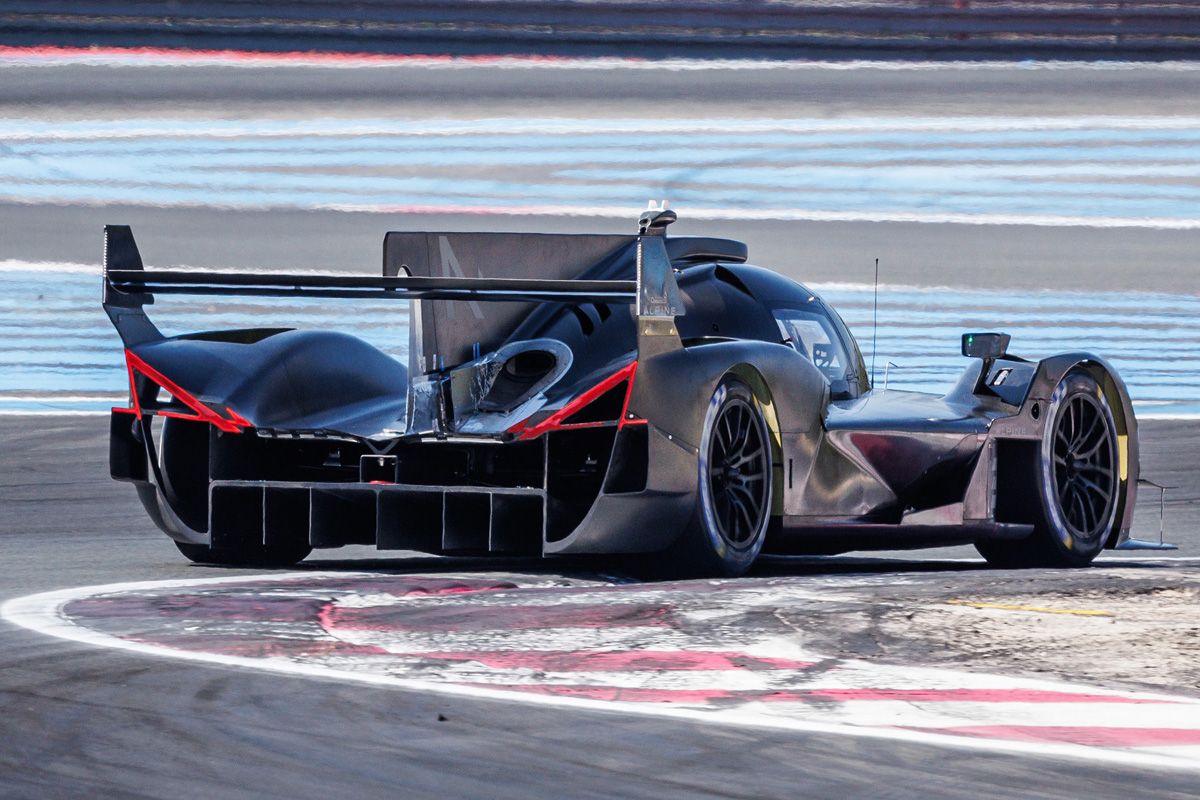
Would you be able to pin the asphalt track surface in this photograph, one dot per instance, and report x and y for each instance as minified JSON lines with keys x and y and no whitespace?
{"x":80,"y":720}
{"x":83,"y":721}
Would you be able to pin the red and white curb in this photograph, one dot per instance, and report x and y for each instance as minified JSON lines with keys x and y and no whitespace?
{"x":712,"y":651}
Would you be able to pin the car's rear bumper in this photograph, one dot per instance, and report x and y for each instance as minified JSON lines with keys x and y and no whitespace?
{"x":610,"y":490}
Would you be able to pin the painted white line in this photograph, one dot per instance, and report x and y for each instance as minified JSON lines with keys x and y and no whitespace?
{"x":622,"y":212}
{"x":935,"y":289}
{"x":777,"y":215}
{"x":159,"y":57}
{"x":1116,"y":560}
{"x":7,"y":412}
{"x":63,"y":398}
{"x":71,"y":268}
{"x":1133,"y":556}
{"x":18,"y":129}
{"x":43,"y":613}
{"x":14,"y":265}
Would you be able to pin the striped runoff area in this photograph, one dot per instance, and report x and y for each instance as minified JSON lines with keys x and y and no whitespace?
{"x":704,"y":651}
{"x":58,"y":352}
{"x":1100,"y":171}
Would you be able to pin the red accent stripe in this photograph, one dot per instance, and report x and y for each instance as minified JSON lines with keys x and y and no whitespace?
{"x":616,"y":661}
{"x":238,"y":418}
{"x":49,"y":52}
{"x":1091,"y":736}
{"x":491,"y":619}
{"x":203,"y":412}
{"x":133,"y":392}
{"x":124,"y":410}
{"x":583,"y":425}
{"x":625,"y":415}
{"x":556,"y":420}
{"x":974,"y":696}
{"x":628,"y":695}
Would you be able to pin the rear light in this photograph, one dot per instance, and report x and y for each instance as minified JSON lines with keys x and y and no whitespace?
{"x":233,"y":423}
{"x":604,"y":404}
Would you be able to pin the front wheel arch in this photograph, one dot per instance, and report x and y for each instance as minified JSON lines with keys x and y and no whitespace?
{"x":1072,"y":485}
{"x":1117,"y":398}
{"x":1050,"y":372}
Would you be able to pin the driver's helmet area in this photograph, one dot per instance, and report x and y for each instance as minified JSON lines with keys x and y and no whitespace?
{"x":813,"y":335}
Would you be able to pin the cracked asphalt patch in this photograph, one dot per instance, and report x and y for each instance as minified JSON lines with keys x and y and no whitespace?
{"x":1147,"y":636}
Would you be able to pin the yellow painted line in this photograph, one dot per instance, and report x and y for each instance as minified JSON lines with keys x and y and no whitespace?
{"x":1079,"y":612}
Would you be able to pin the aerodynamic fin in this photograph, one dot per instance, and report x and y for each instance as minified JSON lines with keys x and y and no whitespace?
{"x":124,"y":305}
{"x":120,"y":250}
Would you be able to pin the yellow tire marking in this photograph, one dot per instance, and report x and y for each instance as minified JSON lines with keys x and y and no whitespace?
{"x":1079,"y":612}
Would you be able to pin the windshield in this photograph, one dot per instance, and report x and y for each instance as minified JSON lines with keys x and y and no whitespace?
{"x":813,"y":335}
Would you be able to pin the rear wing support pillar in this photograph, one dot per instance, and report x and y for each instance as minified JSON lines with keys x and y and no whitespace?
{"x":658,"y":299}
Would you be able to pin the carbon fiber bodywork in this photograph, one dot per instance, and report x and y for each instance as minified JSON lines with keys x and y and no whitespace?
{"x":563,"y":413}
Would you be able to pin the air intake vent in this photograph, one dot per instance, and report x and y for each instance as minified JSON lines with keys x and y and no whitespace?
{"x":608,"y":407}
{"x":523,"y":373}
{"x":727,"y":276}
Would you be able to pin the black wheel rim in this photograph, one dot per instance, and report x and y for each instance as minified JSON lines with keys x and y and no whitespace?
{"x":1084,"y":474}
{"x":738,"y":465}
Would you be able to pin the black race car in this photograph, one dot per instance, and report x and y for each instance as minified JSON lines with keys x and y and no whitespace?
{"x":604,"y":394}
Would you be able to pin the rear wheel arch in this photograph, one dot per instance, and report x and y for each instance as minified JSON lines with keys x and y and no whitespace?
{"x":734,"y":496}
{"x":761,"y":389}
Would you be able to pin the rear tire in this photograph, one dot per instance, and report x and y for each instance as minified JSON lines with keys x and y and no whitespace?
{"x":1077,"y":479}
{"x":183,"y":461}
{"x":733,"y":487}
{"x":260,"y":556}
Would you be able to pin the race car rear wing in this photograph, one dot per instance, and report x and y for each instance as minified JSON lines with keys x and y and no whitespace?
{"x":131,"y":282}
{"x":411,"y":264}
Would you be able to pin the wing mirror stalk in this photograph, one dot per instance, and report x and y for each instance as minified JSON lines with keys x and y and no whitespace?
{"x":989,"y":347}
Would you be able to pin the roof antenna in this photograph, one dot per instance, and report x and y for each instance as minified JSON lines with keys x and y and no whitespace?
{"x":874,"y":322}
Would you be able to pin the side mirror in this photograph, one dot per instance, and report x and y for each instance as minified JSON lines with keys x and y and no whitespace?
{"x":985,"y":345}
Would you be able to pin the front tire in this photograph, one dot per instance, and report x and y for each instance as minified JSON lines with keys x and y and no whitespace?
{"x":733,"y":486}
{"x":1077,"y":478}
